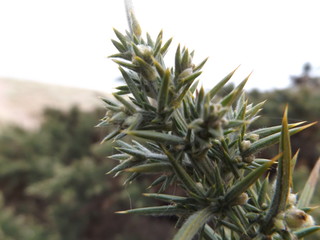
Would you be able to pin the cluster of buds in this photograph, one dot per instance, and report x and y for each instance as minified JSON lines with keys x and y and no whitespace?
{"x":293,"y":217}
{"x":245,"y":145}
{"x":211,"y":122}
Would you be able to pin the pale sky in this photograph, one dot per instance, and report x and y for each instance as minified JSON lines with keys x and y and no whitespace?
{"x":67,"y":41}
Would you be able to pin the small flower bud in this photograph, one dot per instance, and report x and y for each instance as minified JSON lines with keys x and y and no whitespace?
{"x":145,"y":52}
{"x":245,"y":145}
{"x":279,"y":224}
{"x":264,"y":206}
{"x":249,"y":159}
{"x":238,"y":158}
{"x":185,"y":73}
{"x":128,"y":121}
{"x":144,"y":49}
{"x":252,"y":137}
{"x":241,"y":199}
{"x":296,"y":218}
{"x":199,"y":185}
{"x":292,"y":199}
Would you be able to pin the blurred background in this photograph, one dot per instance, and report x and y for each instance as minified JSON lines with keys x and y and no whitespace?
{"x":54,"y":68}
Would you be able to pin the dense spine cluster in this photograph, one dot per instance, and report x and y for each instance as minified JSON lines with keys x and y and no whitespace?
{"x":201,"y":142}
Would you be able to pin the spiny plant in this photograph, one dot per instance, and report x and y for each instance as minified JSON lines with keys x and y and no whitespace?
{"x":201,"y":143}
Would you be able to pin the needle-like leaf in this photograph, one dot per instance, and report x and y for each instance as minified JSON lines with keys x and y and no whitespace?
{"x":194,"y":223}
{"x":157,"y":211}
{"x":306,"y":231}
{"x":157,"y":136}
{"x":272,"y":139}
{"x":264,"y":132}
{"x":121,"y":37}
{"x":164,"y":90}
{"x":284,"y":175}
{"x":165,"y":47}
{"x":167,"y":198}
{"x":220,"y":85}
{"x":233,"y":96}
{"x":126,"y":64}
{"x":151,"y":168}
{"x":183,"y":176}
{"x":310,"y":187}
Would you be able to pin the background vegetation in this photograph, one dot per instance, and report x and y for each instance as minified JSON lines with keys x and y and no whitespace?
{"x":53,"y":184}
{"x":304,"y":105}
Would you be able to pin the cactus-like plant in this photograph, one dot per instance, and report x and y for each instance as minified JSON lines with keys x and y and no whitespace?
{"x":202,"y":143}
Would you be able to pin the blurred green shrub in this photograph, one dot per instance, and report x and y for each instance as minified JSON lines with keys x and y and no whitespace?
{"x":304,"y":105}
{"x":53,"y":184}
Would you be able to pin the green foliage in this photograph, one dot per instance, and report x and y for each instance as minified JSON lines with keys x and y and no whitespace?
{"x":303,"y":102}
{"x":13,"y":226}
{"x":53,"y":184}
{"x":201,"y":143}
{"x":48,"y":175}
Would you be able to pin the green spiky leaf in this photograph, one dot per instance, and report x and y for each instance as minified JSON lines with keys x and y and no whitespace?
{"x":151,"y":168}
{"x":220,"y":85}
{"x":157,"y":136}
{"x":194,"y":223}
{"x":283,"y":182}
{"x":157,"y":211}
{"x":164,"y":91}
{"x":306,"y":231}
{"x":167,"y":198}
{"x":309,"y":187}
{"x":233,"y":96}
{"x":272,"y":139}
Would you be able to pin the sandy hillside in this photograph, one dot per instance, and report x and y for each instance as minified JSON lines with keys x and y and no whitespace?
{"x":21,"y":102}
